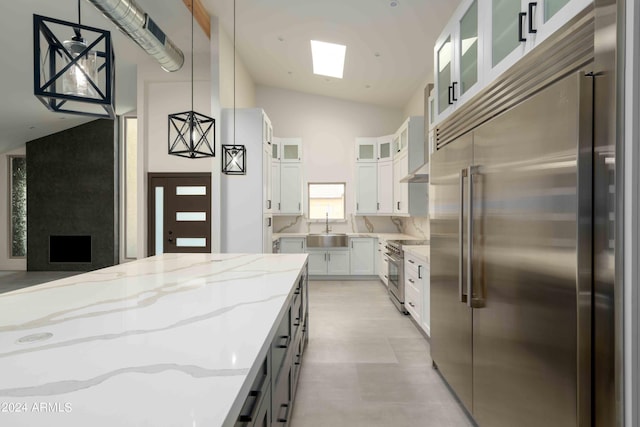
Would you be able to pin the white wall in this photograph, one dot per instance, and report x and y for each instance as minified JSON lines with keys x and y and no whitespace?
{"x":7,"y":263}
{"x":245,"y":87}
{"x":415,"y":105}
{"x":328,"y":128}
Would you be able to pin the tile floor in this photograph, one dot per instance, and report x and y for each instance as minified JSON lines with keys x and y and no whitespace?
{"x":368,"y":365}
{"x":13,"y":280}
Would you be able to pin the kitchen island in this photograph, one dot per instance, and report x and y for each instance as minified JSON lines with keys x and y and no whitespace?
{"x":170,"y":340}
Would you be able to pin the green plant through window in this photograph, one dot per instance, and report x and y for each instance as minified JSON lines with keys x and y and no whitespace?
{"x":18,"y":207}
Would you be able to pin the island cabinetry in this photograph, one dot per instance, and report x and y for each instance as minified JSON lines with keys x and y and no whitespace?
{"x":271,"y":397}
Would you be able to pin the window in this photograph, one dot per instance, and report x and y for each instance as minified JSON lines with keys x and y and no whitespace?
{"x":326,"y":198}
{"x":130,"y":187}
{"x":18,"y":206}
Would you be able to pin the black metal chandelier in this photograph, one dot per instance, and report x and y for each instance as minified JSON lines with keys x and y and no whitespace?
{"x":192,"y":134}
{"x":77,"y":75}
{"x":234,"y":159}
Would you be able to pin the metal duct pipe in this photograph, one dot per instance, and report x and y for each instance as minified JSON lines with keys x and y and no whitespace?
{"x":136,"y":24}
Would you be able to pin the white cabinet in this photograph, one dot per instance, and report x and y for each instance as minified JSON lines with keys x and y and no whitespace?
{"x":292,"y":245}
{"x":484,"y":38}
{"x":286,"y":167}
{"x":366,"y":188}
{"x":382,"y":261}
{"x":385,"y":148}
{"x":290,"y":188}
{"x":362,"y":256}
{"x":334,"y":262}
{"x":290,"y":149}
{"x":246,"y":223}
{"x":366,"y":149}
{"x":417,"y":289}
{"x":457,"y":55}
{"x":385,"y":187}
{"x":410,"y":198}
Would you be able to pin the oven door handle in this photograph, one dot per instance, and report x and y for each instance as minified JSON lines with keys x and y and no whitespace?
{"x":393,"y":258}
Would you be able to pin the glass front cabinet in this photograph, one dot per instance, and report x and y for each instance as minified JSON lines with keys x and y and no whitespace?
{"x":458,"y":53}
{"x":484,"y":38}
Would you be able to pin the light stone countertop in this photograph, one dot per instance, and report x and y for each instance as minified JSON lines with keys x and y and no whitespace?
{"x":170,"y":340}
{"x":421,"y":251}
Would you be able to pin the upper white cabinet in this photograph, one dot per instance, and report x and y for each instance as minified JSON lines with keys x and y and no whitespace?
{"x":458,"y":53}
{"x":366,"y":150}
{"x":484,"y":38}
{"x":385,"y":148}
{"x":385,"y":187}
{"x":410,"y":198}
{"x":286,"y":176}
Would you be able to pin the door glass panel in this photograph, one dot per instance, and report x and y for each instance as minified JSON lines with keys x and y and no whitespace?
{"x":159,"y":220}
{"x":290,"y":151}
{"x":551,"y":7}
{"x":191,"y":190}
{"x":469,"y":48}
{"x":274,"y":151}
{"x":191,"y":216}
{"x":444,"y":74}
{"x":385,"y":150}
{"x":504,"y":28}
{"x":404,"y":138}
{"x":191,"y":242}
{"x":366,"y":151}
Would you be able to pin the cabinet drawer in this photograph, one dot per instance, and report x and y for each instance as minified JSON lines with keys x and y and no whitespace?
{"x":280,"y":344}
{"x":281,"y":398}
{"x":259,"y":395}
{"x":413,"y":302}
{"x":296,"y":315}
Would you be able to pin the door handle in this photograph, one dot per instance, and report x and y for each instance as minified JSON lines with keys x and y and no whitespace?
{"x":378,"y":208}
{"x":532,"y":5}
{"x":357,"y":206}
{"x":419,"y":274}
{"x":453,"y":91}
{"x":398,"y":205}
{"x":521,"y":37}
{"x":461,"y":296}
{"x":450,"y":97}
{"x":268,"y":204}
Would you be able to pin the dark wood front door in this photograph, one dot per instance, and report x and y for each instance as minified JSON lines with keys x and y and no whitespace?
{"x":179,"y":212}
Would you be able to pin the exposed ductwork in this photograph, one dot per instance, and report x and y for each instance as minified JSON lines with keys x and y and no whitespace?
{"x":136,"y":24}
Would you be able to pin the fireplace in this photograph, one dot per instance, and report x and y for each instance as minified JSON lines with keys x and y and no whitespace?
{"x":70,"y":249}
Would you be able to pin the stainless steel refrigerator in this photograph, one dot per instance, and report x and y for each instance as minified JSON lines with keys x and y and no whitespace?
{"x":511,"y":261}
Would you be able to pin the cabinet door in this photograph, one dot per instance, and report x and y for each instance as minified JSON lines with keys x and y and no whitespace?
{"x":507,"y":39}
{"x":275,"y":185}
{"x":275,"y":149}
{"x":385,"y":187}
{"x":366,"y":188}
{"x":292,"y":245}
{"x":468,"y":53}
{"x":424,"y":274}
{"x":317,"y":262}
{"x":362,"y":258}
{"x":385,"y":148}
{"x":338,"y":262}
{"x":366,"y":149}
{"x":266,"y":178}
{"x":404,"y":187}
{"x":291,"y":188}
{"x":291,"y":149}
{"x":396,"y":184}
{"x":443,"y":60}
{"x":550,"y":15}
{"x":267,"y":234}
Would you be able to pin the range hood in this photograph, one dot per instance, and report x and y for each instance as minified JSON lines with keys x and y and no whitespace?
{"x":138,"y":26}
{"x":421,"y":174}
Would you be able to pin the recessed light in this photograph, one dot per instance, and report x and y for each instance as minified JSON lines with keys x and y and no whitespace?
{"x":290,"y":72}
{"x":280,"y":38}
{"x":368,"y":86}
{"x":377,"y":54}
{"x":393,"y":3}
{"x":328,"y":58}
{"x":32,"y":127}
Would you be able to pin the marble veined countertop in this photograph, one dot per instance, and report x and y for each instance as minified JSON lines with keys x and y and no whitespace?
{"x":169,"y":340}
{"x":421,"y":251}
{"x":386,"y":236}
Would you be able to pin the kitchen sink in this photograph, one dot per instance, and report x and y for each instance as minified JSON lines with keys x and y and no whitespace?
{"x":327,"y":240}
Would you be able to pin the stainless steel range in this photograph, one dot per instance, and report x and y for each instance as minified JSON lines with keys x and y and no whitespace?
{"x":395,"y":269}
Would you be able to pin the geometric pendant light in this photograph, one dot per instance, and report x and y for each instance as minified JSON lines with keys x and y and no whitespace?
{"x":234,"y":156}
{"x":73,"y":67}
{"x":192,"y":134}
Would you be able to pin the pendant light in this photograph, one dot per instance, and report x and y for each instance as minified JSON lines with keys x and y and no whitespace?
{"x":77,"y":75}
{"x":192,"y":134}
{"x":234,"y":155}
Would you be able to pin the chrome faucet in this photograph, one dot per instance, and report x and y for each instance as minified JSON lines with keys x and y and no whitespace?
{"x":327,"y":229}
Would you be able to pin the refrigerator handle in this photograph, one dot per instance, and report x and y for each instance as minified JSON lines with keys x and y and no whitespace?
{"x":471,"y":302}
{"x":461,"y":295}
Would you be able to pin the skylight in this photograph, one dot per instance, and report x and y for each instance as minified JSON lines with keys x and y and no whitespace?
{"x":328,"y":58}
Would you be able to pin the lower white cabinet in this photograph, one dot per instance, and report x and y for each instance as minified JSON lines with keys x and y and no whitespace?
{"x":292,"y":245}
{"x":383,"y":262}
{"x":417,"y":290}
{"x":324,"y":262}
{"x":362,"y":255}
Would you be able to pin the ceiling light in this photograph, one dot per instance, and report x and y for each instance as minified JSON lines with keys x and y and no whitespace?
{"x":328,"y":58}
{"x":393,"y":3}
